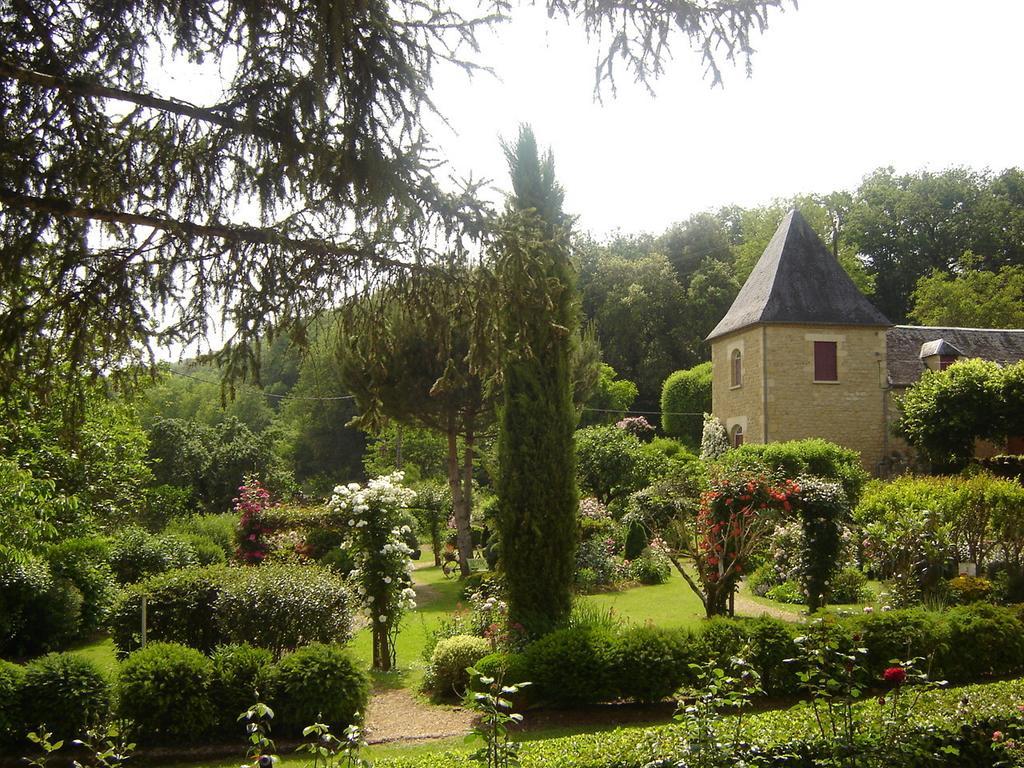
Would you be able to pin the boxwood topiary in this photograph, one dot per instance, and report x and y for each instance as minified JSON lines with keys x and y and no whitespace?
{"x":317,"y":682}
{"x":446,"y":672}
{"x":239,"y":680}
{"x":572,"y":667}
{"x":164,"y":690}
{"x":66,"y":692}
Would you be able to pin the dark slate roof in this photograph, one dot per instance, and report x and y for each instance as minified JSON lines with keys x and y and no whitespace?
{"x":904,"y":343}
{"x":797,"y":280}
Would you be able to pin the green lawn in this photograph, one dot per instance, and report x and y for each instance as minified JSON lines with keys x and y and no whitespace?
{"x":671,"y":604}
{"x":100,"y":651}
{"x":431,"y":609}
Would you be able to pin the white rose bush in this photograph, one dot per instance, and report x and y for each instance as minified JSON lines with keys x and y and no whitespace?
{"x":371,"y":519}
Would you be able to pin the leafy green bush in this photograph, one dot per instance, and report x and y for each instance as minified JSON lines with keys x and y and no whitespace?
{"x":12,"y":721}
{"x":570,"y":667}
{"x":810,"y":457}
{"x":317,"y":683}
{"x":137,"y":554}
{"x":652,"y":567}
{"x":239,"y":678}
{"x":963,"y":590}
{"x":84,"y":562}
{"x":902,"y":634}
{"x":281,"y":607}
{"x":771,"y":645}
{"x":647,"y":663}
{"x":446,"y":672}
{"x":207,"y":551}
{"x":180,"y":608}
{"x":274,"y":606}
{"x":507,"y":667}
{"x":164,"y":690}
{"x":983,"y":640}
{"x":686,"y":392}
{"x":219,"y":529}
{"x":66,"y":692}
{"x":38,"y":612}
{"x":611,"y":463}
{"x":787,"y":592}
{"x":850,"y":585}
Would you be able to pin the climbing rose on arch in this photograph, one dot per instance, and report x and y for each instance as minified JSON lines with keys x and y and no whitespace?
{"x":374,"y":534}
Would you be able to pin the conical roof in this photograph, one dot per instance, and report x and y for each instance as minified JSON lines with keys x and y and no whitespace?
{"x":797,"y":280}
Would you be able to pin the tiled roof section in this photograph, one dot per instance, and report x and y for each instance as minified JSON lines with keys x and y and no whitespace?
{"x":939,"y":347}
{"x":904,"y":346}
{"x":797,"y":280}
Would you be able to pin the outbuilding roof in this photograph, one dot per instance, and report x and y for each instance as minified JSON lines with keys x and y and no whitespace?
{"x":904,"y":345}
{"x":797,"y":280}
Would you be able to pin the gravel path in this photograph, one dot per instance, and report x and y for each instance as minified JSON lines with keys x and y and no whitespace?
{"x":397,"y":715}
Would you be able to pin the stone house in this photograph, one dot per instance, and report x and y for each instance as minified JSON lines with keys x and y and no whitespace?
{"x":802,"y":353}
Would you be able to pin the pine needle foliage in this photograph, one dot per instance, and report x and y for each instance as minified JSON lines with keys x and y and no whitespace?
{"x":537,"y":491}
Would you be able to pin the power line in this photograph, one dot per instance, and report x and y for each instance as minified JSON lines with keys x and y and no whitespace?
{"x":643,"y":413}
{"x":288,"y":396}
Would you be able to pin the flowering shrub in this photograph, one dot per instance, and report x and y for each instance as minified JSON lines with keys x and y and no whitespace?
{"x":653,"y":566}
{"x":250,"y":504}
{"x":637,"y":426}
{"x":376,"y":538}
{"x":735,"y":517}
{"x":714,"y":440}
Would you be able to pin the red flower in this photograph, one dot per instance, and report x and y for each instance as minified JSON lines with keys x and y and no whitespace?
{"x":997,"y":736}
{"x":895,"y":675}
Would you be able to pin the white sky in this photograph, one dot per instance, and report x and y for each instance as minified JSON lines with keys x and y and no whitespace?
{"x":839,"y":88}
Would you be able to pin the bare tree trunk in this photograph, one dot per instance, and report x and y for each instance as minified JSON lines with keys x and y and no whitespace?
{"x":463,"y":532}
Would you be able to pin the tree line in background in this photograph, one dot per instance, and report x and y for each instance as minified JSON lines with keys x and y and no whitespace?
{"x":931,"y":248}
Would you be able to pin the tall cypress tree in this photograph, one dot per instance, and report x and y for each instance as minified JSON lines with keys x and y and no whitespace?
{"x":536,"y":484}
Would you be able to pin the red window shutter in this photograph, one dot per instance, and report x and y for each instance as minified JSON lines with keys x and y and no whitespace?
{"x":825,"y":368}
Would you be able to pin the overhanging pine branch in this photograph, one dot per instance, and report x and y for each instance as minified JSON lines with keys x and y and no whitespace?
{"x":227,"y":232}
{"x":184,"y":109}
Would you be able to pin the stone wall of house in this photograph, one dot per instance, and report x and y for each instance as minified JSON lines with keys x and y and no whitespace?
{"x":739,"y":406}
{"x":850,"y":411}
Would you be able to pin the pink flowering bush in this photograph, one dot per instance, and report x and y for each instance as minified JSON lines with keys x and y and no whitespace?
{"x":253,"y":499}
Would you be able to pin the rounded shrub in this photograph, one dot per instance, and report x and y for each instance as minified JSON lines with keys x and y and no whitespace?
{"x":850,"y":585}
{"x":38,"y":612}
{"x":651,"y":567}
{"x":84,"y":562}
{"x":994,"y":637}
{"x":219,"y":529}
{"x":207,"y":551}
{"x":317,"y":683}
{"x":509,"y":668}
{"x":136,"y":554}
{"x":771,"y":644}
{"x":901,"y":635}
{"x":649,"y":663}
{"x":66,"y":692}
{"x":721,"y":639}
{"x":686,"y":392}
{"x":164,"y":689}
{"x":239,"y":679}
{"x":446,"y":672}
{"x":12,"y":721}
{"x":964,"y":590}
{"x":572,"y":667}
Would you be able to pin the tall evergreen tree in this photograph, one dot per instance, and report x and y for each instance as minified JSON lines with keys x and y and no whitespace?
{"x":536,"y":484}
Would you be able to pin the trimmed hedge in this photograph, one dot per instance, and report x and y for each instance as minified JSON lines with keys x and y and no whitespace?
{"x":240,"y":677}
{"x":66,"y":692}
{"x":274,"y":606}
{"x":686,"y":391}
{"x":12,"y":722}
{"x":574,"y":667}
{"x":961,"y":720}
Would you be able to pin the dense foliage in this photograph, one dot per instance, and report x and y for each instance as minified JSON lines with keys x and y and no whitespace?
{"x":685,"y":396}
{"x":946,"y":411}
{"x":275,"y":606}
{"x":536,"y":480}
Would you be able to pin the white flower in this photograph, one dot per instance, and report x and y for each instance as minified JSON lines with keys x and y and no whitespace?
{"x":387,"y":579}
{"x":868,"y":609}
{"x":351,"y":522}
{"x":382,"y":618}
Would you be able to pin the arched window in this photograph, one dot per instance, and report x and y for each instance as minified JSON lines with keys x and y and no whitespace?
{"x":737,"y":368}
{"x":737,"y":436}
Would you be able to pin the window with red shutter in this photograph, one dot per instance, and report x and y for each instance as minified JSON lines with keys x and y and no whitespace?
{"x":825,"y":368}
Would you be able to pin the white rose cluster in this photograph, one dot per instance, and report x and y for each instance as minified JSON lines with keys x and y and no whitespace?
{"x":377,"y":543}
